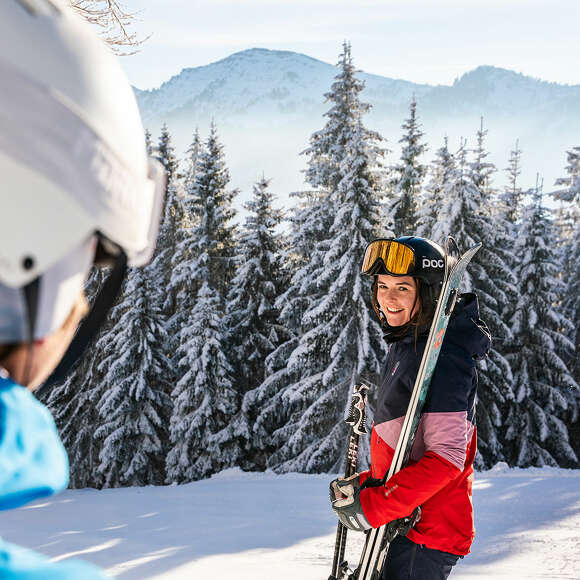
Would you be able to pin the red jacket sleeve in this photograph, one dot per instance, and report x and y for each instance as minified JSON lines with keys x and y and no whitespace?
{"x":407,"y":489}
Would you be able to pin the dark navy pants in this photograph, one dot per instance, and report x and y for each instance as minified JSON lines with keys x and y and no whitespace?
{"x":409,"y":561}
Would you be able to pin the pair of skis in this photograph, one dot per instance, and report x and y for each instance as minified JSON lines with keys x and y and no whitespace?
{"x":377,"y":541}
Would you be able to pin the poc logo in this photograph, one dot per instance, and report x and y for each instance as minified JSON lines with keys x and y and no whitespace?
{"x":427,"y":263}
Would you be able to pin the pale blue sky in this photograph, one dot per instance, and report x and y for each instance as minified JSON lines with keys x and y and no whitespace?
{"x":428,"y":41}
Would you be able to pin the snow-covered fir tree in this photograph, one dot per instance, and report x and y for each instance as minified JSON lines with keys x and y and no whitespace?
{"x":568,"y":196}
{"x":205,"y":400}
{"x":408,"y":177}
{"x":513,"y":194}
{"x":210,"y":204}
{"x":313,"y":214}
{"x":204,"y":397}
{"x":193,"y":156}
{"x":325,"y":153}
{"x":332,"y":161}
{"x":73,"y":404}
{"x":171,"y":224}
{"x":440,"y":173}
{"x":481,"y":170}
{"x":165,"y":152}
{"x":179,"y":290}
{"x":251,"y":317}
{"x":135,"y":407}
{"x":340,"y":341}
{"x":546,"y":395}
{"x":253,"y":328}
{"x":568,"y":211}
{"x":465,"y":214}
{"x":148,"y":142}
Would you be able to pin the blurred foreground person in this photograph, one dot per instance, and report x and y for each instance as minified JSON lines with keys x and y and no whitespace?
{"x":76,"y":189}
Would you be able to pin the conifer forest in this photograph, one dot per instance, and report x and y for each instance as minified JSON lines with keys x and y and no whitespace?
{"x":238,"y":344}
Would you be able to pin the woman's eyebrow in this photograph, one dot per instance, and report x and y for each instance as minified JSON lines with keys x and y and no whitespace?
{"x":398,"y":284}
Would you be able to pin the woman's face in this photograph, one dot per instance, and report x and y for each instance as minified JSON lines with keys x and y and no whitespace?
{"x":397,"y":297}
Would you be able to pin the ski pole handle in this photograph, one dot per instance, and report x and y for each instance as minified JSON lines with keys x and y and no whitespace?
{"x":357,"y":421}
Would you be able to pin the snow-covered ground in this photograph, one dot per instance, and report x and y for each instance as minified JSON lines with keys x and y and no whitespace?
{"x":264,"y":526}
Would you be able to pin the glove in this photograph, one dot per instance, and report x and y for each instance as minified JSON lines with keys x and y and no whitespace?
{"x":345,"y":499}
{"x":343,"y":486}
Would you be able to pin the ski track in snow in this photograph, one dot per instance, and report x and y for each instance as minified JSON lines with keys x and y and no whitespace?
{"x":264,"y":526}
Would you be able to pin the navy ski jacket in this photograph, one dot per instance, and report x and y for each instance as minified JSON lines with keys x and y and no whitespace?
{"x":440,"y":471}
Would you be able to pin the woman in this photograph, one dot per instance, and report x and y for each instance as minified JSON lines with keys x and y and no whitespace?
{"x":408,"y":274}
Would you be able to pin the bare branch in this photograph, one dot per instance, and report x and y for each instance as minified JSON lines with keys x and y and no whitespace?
{"x":114,"y":21}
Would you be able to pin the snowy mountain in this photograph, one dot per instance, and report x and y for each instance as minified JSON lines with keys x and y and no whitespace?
{"x":267,"y":103}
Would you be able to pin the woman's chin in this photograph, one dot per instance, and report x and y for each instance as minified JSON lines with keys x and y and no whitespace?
{"x":397,"y":320}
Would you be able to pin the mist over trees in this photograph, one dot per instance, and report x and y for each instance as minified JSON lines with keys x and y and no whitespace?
{"x":238,"y":344}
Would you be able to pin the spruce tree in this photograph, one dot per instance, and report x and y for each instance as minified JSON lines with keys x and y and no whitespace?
{"x":325,"y":153}
{"x":179,"y":260}
{"x":166,"y":154}
{"x":440,"y":177}
{"x":134,"y":408}
{"x":309,"y":376}
{"x":408,"y":176}
{"x":340,"y":341}
{"x":148,"y":143}
{"x":569,"y":233}
{"x":204,"y":398}
{"x":481,"y":170}
{"x":251,"y":317}
{"x":466,"y":215}
{"x":546,"y":395}
{"x":513,"y":194}
{"x":313,"y":216}
{"x":210,"y":203}
{"x":171,"y":224}
{"x":254,"y":331}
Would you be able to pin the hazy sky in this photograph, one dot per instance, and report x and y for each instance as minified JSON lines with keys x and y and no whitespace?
{"x":428,"y":41}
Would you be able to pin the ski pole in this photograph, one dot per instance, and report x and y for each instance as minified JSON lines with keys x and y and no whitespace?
{"x":357,"y":421}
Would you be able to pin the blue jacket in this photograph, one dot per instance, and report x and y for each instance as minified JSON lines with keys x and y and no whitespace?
{"x":33,"y":464}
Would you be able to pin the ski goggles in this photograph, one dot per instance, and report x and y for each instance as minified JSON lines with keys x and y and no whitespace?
{"x":395,"y":258}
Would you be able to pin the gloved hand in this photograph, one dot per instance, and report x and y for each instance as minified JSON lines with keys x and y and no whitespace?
{"x":345,"y":499}
{"x":343,"y":486}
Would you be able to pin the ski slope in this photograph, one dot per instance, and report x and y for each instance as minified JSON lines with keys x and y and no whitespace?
{"x":263,"y":526}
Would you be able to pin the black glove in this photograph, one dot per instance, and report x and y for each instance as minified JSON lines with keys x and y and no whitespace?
{"x":345,"y":499}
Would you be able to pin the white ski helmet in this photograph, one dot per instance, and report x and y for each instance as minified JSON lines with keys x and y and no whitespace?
{"x":73,"y":163}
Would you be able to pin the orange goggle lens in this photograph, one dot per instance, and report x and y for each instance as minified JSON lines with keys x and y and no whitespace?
{"x":396,"y":258}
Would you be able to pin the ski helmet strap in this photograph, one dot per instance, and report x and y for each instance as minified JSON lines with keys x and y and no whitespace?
{"x":91,"y":324}
{"x":31,"y":292}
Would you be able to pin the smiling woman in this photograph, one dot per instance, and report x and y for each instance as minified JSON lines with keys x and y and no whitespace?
{"x":397,"y":298}
{"x":408,"y":273}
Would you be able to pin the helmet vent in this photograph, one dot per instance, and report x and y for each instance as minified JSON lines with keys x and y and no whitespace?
{"x":28,"y":263}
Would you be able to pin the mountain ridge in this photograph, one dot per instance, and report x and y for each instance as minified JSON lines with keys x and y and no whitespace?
{"x":267,"y":103}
